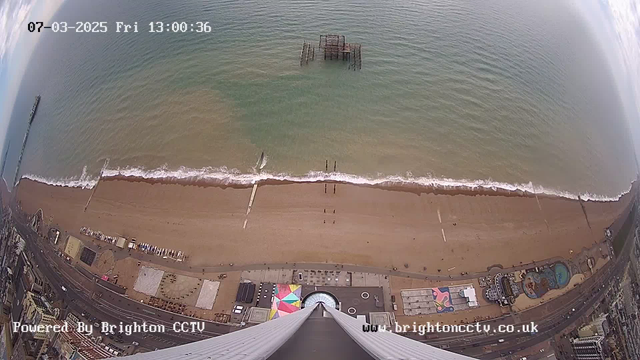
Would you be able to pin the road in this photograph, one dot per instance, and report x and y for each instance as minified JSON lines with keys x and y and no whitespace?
{"x":552,"y":312}
{"x":84,"y":295}
{"x":114,"y":308}
{"x":551,"y":317}
{"x":583,"y":299}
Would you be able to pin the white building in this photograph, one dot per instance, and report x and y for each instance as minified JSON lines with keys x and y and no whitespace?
{"x":588,"y":348}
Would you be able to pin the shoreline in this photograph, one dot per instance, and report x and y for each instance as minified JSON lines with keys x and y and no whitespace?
{"x":359,"y":225}
{"x":413,"y":188}
{"x":390,"y":183}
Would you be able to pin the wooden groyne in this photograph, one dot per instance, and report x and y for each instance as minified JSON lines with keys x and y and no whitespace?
{"x":93,"y":191}
{"x":259,"y":166}
{"x":26,"y":135}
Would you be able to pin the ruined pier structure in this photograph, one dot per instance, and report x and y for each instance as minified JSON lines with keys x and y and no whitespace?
{"x":334,"y":47}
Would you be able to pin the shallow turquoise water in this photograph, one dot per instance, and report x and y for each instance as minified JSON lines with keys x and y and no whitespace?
{"x":513,"y":92}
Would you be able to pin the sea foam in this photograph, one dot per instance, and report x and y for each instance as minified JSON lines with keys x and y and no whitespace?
{"x":225,"y":176}
{"x":83,"y":181}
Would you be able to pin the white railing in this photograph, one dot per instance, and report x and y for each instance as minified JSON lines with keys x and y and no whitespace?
{"x":387,"y":345}
{"x":255,"y":342}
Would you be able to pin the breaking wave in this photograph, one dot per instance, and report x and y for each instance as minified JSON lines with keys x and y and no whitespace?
{"x":84,"y":181}
{"x":225,"y":176}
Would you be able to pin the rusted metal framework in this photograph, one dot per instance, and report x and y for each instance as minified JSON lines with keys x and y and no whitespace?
{"x":356,"y":56}
{"x":308,"y":53}
{"x":334,"y":47}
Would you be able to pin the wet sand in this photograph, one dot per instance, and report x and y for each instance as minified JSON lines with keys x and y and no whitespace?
{"x":382,"y":227}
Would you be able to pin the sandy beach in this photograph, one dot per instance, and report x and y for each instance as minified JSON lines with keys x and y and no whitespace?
{"x":360,"y":225}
